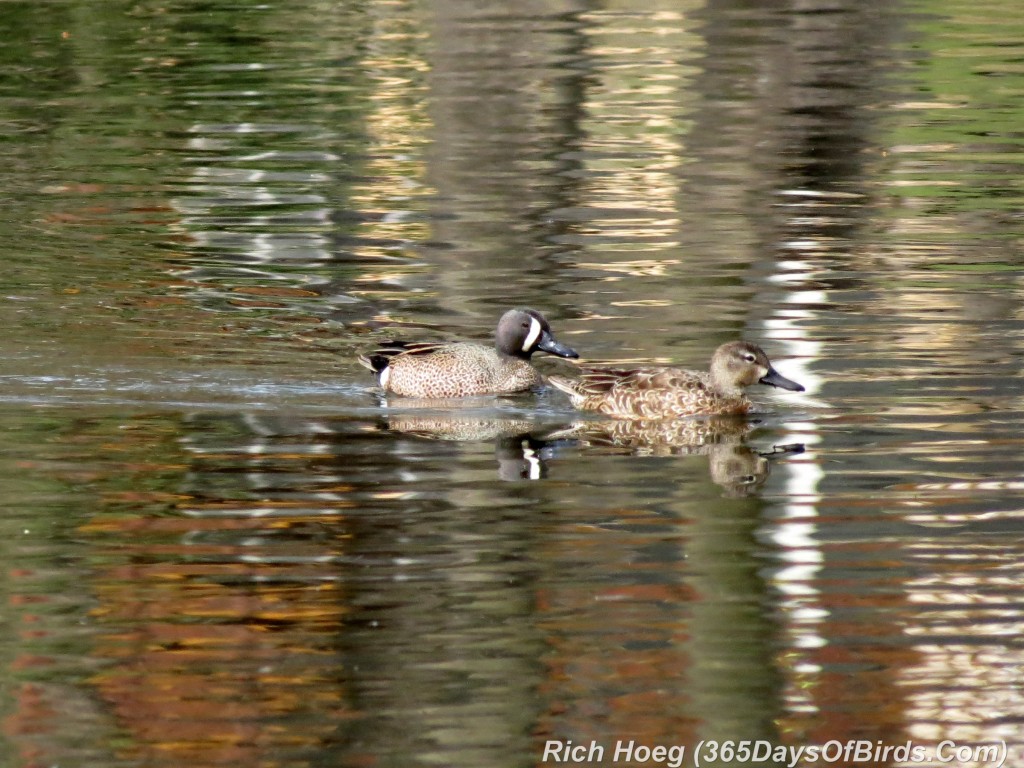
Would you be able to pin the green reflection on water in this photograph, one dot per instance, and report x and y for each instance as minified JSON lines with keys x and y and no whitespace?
{"x":957,"y":138}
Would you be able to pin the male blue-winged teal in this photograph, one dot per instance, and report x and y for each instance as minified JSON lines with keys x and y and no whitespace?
{"x":668,"y":393}
{"x":458,"y":369}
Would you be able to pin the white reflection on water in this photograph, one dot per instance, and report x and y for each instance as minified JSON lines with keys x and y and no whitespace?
{"x":793,"y":533}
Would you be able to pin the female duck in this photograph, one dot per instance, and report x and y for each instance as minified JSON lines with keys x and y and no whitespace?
{"x":458,"y":369}
{"x":668,"y":393}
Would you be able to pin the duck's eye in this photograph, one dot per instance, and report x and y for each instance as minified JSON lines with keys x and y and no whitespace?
{"x":749,"y":357}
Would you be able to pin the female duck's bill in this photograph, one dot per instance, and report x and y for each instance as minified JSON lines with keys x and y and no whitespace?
{"x":775,"y":379}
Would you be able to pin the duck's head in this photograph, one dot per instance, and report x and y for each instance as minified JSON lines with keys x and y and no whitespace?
{"x":740,"y":364}
{"x":521,"y":332}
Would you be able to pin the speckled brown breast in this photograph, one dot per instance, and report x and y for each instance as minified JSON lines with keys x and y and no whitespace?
{"x":458,"y":370}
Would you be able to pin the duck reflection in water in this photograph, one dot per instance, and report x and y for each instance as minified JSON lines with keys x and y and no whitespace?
{"x":524,"y":449}
{"x":737,"y":467}
{"x":520,"y":454}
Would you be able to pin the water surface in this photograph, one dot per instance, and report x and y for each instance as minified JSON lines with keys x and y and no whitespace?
{"x":224,"y":547}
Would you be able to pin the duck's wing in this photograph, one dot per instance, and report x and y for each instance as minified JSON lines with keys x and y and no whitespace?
{"x":599,"y":381}
{"x":379,"y":359}
{"x":593,"y":382}
{"x":637,"y":393}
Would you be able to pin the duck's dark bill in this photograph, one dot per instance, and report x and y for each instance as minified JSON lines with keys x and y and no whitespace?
{"x":549,"y":345}
{"x":775,"y":379}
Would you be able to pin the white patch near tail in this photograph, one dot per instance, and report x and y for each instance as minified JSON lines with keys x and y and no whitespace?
{"x":533,"y":335}
{"x":385,"y":375}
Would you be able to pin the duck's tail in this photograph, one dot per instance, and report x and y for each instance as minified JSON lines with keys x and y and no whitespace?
{"x":375,"y":362}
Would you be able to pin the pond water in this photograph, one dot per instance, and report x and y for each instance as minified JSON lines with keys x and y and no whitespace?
{"x":224,"y":546}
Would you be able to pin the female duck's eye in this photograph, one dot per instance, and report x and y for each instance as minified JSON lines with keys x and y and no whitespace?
{"x":749,"y":357}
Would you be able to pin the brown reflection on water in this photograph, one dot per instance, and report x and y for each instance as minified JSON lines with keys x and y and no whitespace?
{"x":207,"y":656}
{"x":650,"y":614}
{"x":274,"y":588}
{"x":964,"y":684}
{"x":841,"y":657}
{"x":618,"y":633}
{"x":906,"y":639}
{"x":258,"y":598}
{"x":281,"y":587}
{"x":209,"y":642}
{"x":900,"y":601}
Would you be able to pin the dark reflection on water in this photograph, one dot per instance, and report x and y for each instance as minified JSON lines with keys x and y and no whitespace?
{"x":524,"y":449}
{"x":223,"y":547}
{"x":739,"y":468}
{"x":300,"y":565}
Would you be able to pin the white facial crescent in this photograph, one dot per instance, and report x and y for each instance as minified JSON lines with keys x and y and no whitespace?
{"x":533,"y":335}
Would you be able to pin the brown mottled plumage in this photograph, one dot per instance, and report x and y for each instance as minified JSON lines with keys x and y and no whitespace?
{"x":669,"y":393}
{"x":462,"y":368}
